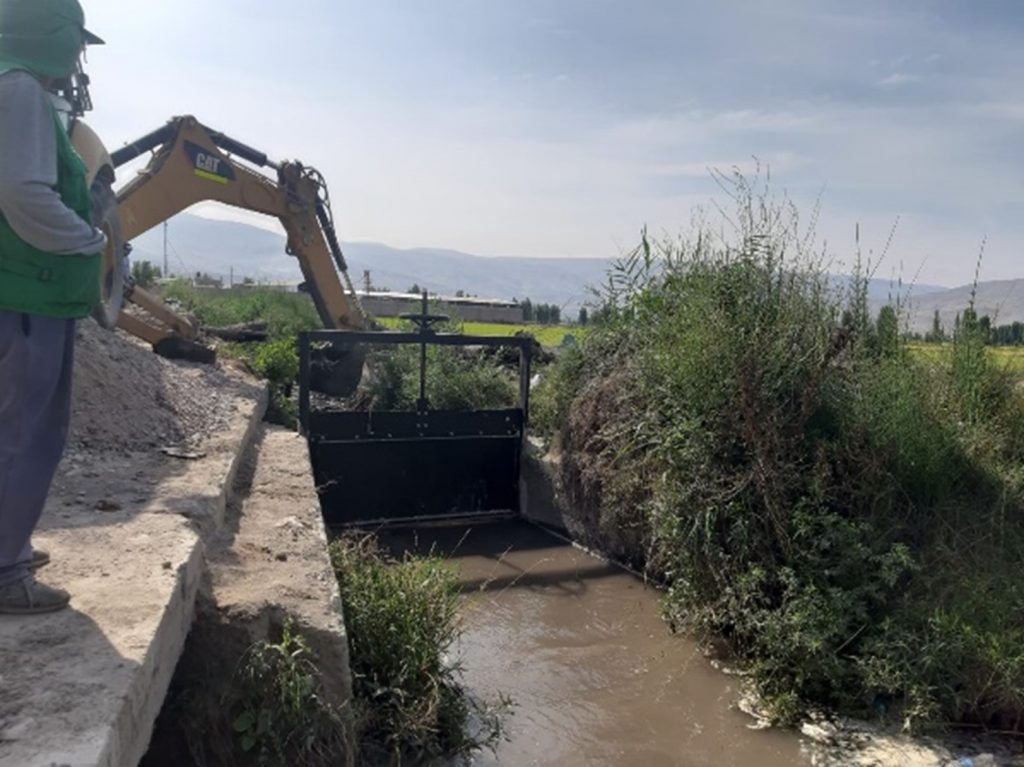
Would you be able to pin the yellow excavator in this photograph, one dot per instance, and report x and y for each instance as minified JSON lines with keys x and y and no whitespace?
{"x":190,"y":163}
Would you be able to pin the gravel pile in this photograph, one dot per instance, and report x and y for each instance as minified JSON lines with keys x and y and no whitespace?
{"x":127,"y":399}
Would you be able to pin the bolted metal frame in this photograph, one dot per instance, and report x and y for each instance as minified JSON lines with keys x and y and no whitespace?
{"x":424,"y":337}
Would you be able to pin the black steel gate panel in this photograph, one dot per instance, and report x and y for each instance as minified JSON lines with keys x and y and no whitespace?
{"x":385,"y":466}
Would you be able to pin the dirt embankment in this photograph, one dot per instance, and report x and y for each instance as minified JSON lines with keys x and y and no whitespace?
{"x":128,"y":399}
{"x":138,"y":421}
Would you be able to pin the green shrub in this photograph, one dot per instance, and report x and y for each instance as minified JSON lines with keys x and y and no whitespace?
{"x":838,"y":510}
{"x":551,"y":398}
{"x":457,"y":379}
{"x":278,"y":362}
{"x":402,"y":619}
{"x":280,"y":717}
{"x":286,"y":314}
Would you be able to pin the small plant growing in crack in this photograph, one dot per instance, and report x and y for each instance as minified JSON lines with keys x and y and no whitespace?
{"x":282,"y":717}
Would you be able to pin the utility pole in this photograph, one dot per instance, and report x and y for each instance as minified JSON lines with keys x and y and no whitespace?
{"x":231,"y":277}
{"x":367,"y":283}
{"x":166,"y":267}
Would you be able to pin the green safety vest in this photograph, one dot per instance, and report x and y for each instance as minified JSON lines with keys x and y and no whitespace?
{"x":36,"y":282}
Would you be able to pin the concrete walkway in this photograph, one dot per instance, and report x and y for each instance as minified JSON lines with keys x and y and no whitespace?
{"x":83,"y":687}
{"x":270,"y":563}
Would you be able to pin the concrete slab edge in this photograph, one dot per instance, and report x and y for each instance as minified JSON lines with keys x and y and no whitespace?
{"x":133,"y":729}
{"x":251,"y":430}
{"x":131,"y":733}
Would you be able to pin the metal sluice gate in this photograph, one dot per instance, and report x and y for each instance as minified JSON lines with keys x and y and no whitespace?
{"x":381,"y":467}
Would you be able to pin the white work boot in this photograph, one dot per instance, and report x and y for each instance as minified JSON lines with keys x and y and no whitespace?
{"x":29,"y":597}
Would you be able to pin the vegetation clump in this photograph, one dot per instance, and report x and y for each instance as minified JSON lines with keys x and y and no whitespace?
{"x":402,"y":619}
{"x":237,"y":702}
{"x":282,"y":718}
{"x":456,"y":379}
{"x":846,"y":514}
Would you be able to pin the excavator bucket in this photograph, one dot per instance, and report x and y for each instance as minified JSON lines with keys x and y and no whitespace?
{"x":337,"y":369}
{"x":178,"y":348}
{"x":374,"y":467}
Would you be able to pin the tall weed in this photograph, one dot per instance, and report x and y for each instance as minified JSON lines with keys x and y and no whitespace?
{"x":402,"y":619}
{"x":835,"y":508}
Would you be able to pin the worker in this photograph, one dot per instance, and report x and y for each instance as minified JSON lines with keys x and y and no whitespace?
{"x":49,"y":277}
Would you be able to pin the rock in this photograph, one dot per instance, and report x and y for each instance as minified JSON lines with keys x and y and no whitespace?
{"x":822,"y":732}
{"x":981,"y":760}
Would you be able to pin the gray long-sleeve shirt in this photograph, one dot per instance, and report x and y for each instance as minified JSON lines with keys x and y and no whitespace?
{"x":28,"y":172}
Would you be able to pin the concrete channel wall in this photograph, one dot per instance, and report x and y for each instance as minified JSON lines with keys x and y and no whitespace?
{"x":83,"y":687}
{"x":270,"y":563}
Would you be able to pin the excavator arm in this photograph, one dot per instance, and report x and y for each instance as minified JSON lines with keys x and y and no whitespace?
{"x":191,"y":164}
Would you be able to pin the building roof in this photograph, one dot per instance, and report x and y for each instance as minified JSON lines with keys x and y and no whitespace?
{"x":454,"y":300}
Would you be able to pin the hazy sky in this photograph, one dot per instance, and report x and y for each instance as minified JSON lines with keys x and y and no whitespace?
{"x":560,"y":127}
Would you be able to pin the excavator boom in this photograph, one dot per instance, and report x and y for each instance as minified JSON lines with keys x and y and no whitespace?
{"x":191,"y":164}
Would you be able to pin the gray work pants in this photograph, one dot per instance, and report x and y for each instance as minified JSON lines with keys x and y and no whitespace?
{"x":36,"y":355}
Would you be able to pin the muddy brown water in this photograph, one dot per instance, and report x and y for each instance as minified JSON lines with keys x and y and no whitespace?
{"x":595,"y":674}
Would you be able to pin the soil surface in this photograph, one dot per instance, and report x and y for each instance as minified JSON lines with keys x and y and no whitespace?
{"x":127,"y":398}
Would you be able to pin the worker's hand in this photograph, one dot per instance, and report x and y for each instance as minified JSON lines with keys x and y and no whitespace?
{"x":103,"y":237}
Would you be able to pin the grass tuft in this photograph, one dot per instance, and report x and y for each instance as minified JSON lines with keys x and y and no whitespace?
{"x":281,"y":718}
{"x":402,"y":620}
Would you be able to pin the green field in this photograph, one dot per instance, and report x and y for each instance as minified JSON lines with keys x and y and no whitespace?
{"x":1009,"y":357}
{"x":547,"y":335}
{"x":289,"y":313}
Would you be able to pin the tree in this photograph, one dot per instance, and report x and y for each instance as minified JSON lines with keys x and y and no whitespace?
{"x":985,"y":328}
{"x":1007,"y":335}
{"x":936,"y":334}
{"x":966,"y":326}
{"x":547,"y":314}
{"x":414,"y":289}
{"x":887,"y":332}
{"x":583,"y":317}
{"x":145,"y":273}
{"x":527,"y":305}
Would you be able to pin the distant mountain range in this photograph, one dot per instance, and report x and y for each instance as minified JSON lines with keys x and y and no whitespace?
{"x":1001,"y":300}
{"x":218,"y":247}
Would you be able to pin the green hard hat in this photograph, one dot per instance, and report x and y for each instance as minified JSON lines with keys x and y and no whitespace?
{"x":45,"y":37}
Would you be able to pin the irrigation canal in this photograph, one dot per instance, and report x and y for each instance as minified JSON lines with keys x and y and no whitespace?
{"x":595,"y":675}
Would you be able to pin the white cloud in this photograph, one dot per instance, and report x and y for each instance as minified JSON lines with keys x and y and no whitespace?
{"x":898,"y":79}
